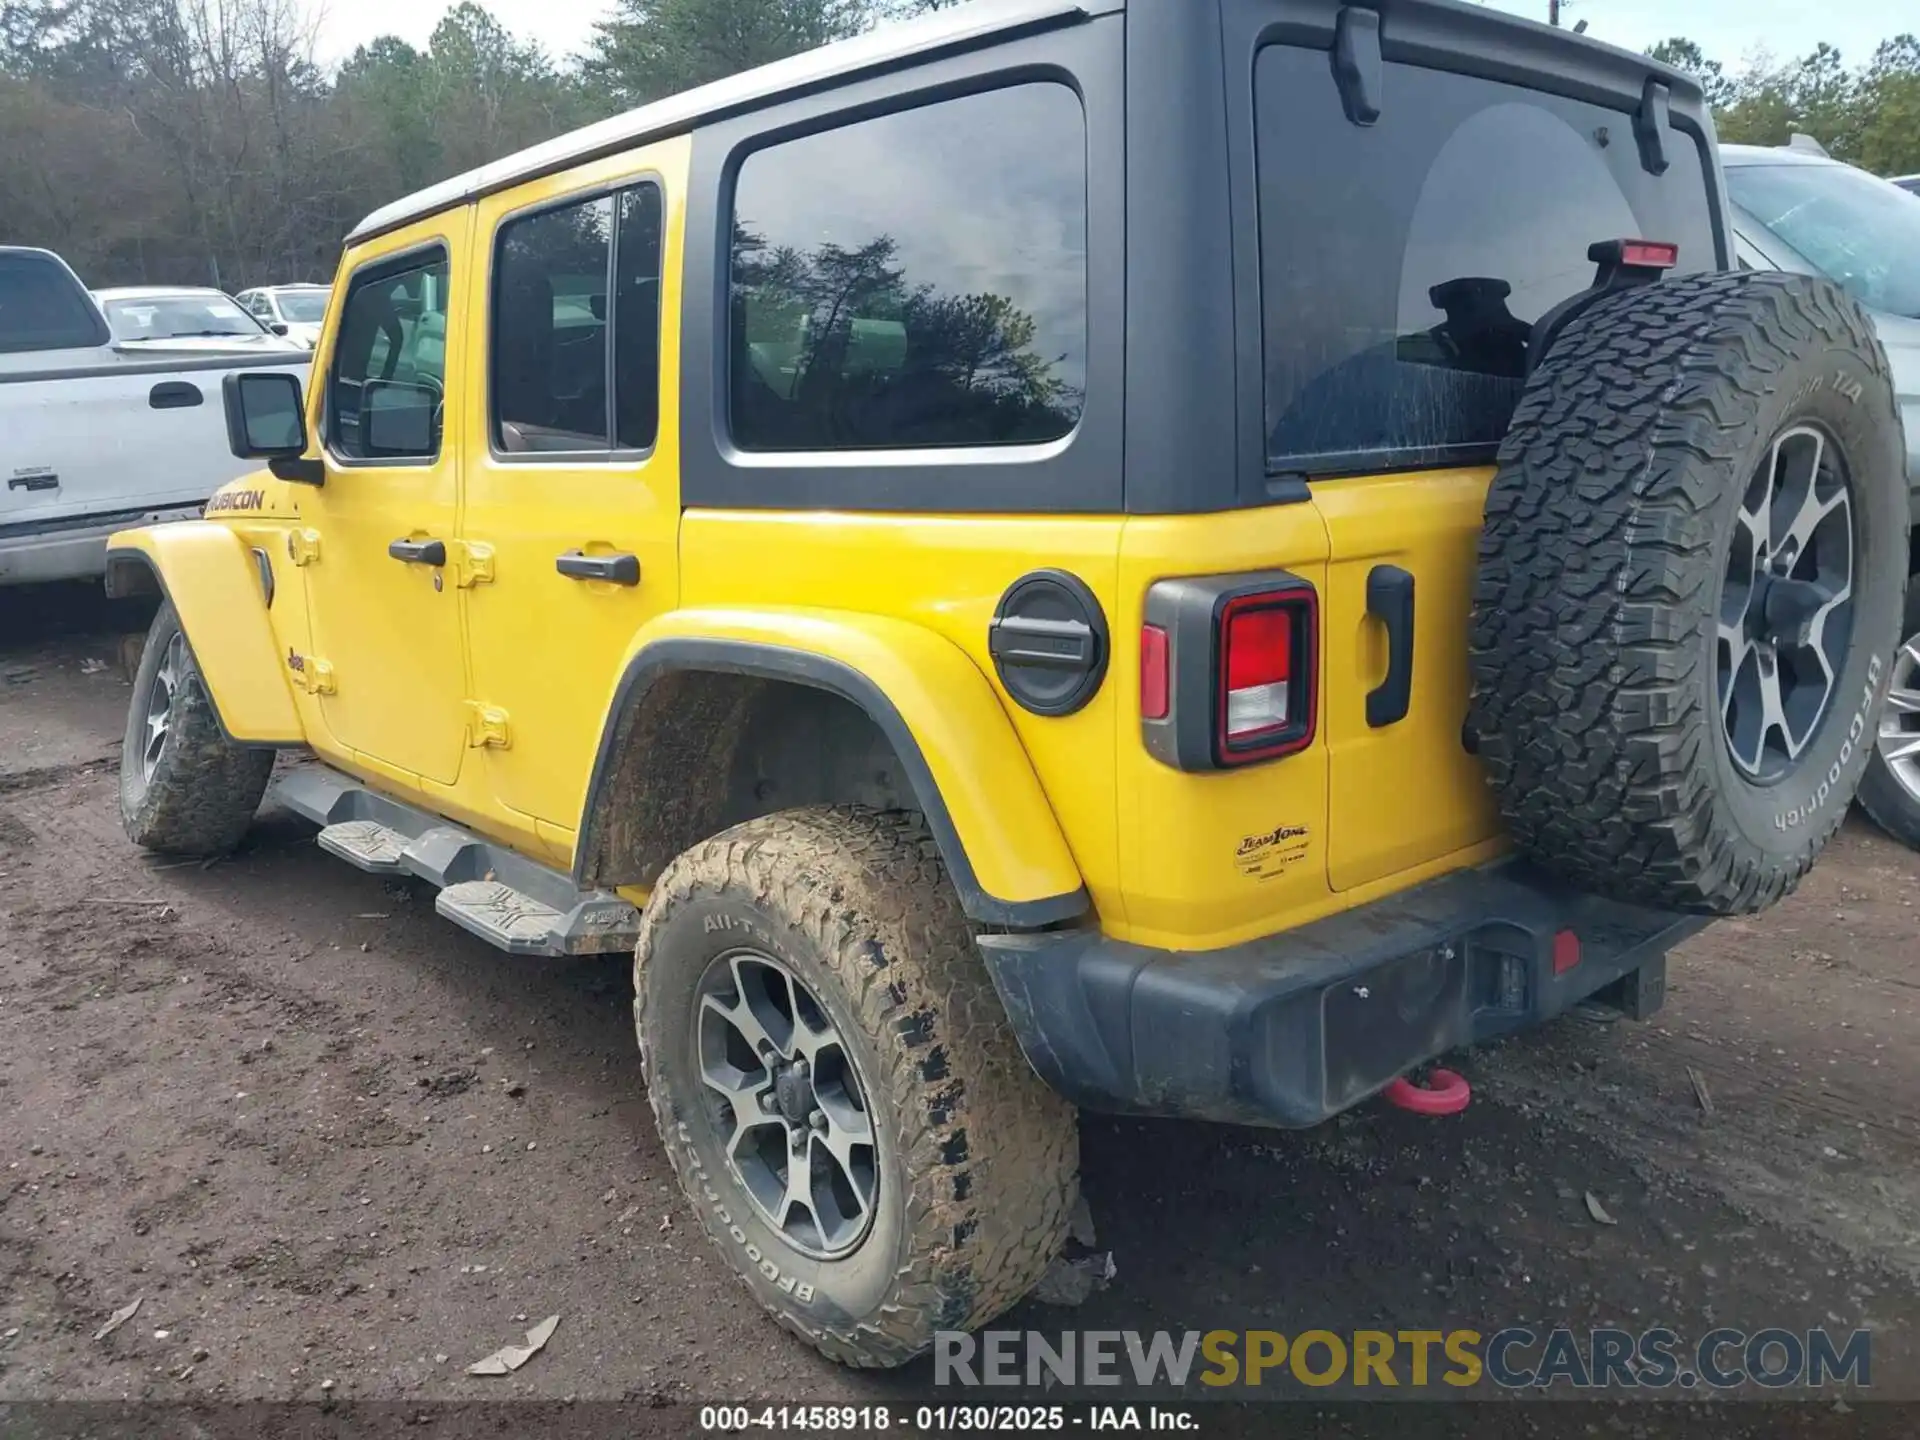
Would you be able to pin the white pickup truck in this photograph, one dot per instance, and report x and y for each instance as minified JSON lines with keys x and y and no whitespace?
{"x":95,"y":436}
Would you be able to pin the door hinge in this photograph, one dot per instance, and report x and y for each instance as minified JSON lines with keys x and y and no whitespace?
{"x":472,"y":564}
{"x":487,"y":725}
{"x":312,"y":675}
{"x":303,"y":546}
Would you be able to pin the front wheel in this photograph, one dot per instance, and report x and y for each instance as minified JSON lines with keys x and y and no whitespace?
{"x":838,"y":1089}
{"x":185,"y":788}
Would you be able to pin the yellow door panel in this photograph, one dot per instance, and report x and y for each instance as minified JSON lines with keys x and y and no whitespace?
{"x":389,"y":626}
{"x":1404,"y":793}
{"x":572,"y":485}
{"x":1211,"y":859}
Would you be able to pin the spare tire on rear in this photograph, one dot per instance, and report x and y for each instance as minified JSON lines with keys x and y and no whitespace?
{"x":1691,"y":577}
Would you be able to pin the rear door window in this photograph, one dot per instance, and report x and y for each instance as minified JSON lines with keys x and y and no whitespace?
{"x":41,"y":308}
{"x":576,"y":309}
{"x":1403,"y":263}
{"x":550,"y":329}
{"x":915,"y":280}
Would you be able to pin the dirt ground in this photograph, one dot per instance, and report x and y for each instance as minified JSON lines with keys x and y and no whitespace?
{"x":338,"y":1147}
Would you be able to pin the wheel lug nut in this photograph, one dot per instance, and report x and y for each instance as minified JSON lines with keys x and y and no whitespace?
{"x":818,"y":1119}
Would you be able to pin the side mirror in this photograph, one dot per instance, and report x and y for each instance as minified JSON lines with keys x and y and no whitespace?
{"x":267,"y":420}
{"x":278,"y":327}
{"x":399,"y":420}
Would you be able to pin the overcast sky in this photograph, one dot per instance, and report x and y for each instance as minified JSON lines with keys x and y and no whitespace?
{"x":1726,"y":29}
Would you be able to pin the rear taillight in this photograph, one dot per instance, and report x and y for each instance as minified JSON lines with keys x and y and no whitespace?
{"x":1256,"y":645}
{"x":1227,"y":669}
{"x":1264,"y":645}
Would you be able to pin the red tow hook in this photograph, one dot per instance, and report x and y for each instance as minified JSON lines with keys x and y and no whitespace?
{"x":1445,"y":1093}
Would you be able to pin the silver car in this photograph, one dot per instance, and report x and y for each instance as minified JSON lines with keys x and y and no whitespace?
{"x":1796,"y":209}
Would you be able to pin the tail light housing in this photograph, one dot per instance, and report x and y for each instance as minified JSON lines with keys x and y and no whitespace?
{"x":1229,"y":671}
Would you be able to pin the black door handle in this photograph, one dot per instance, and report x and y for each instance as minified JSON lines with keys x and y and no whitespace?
{"x":1390,"y":601}
{"x":419,"y":552}
{"x":615,"y":569}
{"x":174,"y":395}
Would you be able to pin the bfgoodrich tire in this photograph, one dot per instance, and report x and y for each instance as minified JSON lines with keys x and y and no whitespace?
{"x":1890,"y":793}
{"x":1691,"y":578}
{"x":185,"y":788}
{"x":809,"y":979}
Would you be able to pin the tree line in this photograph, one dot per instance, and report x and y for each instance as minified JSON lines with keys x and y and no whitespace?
{"x":1868,"y":116}
{"x":199,"y":141}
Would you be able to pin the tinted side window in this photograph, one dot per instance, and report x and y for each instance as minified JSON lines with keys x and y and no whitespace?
{"x":553,"y":330}
{"x":1402,"y":264}
{"x":41,"y":308}
{"x":914,"y":280}
{"x":550,"y":329}
{"x":636,"y":320}
{"x":390,"y":363}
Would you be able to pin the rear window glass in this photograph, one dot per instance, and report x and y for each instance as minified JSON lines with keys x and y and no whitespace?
{"x":41,"y":308}
{"x":1402,"y":264}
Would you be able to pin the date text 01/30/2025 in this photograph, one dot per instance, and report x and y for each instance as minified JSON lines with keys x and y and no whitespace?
{"x":942,"y":1419}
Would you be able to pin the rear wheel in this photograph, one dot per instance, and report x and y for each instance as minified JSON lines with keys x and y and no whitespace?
{"x":1891,"y":791}
{"x":837,"y":1087}
{"x":185,"y":788}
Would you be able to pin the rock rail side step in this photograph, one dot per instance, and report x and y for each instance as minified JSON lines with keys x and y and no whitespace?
{"x":521,"y":906}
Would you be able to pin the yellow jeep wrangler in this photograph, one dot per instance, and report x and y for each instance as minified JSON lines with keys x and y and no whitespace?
{"x":1175,"y":557}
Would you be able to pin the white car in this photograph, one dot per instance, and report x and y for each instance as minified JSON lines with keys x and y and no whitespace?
{"x":300,"y":308}
{"x":98,"y":434}
{"x":152,"y":318}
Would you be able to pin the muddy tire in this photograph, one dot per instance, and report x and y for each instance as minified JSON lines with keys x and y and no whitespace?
{"x":185,"y":788}
{"x":1890,"y":793}
{"x":841,"y":922}
{"x":1672,"y":695}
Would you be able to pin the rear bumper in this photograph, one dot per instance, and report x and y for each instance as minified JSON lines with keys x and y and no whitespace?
{"x":1289,"y":1030}
{"x":74,"y":547}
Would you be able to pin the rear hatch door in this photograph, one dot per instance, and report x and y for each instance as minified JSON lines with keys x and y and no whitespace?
{"x":1403,"y":262}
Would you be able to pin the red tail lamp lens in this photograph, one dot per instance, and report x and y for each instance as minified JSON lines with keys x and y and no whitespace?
{"x":1258,"y":659}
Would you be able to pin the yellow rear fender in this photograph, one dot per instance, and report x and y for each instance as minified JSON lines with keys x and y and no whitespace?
{"x":210,"y":575}
{"x":701,"y":689}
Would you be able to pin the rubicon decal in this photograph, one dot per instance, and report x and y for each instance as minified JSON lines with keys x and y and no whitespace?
{"x":232,"y":500}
